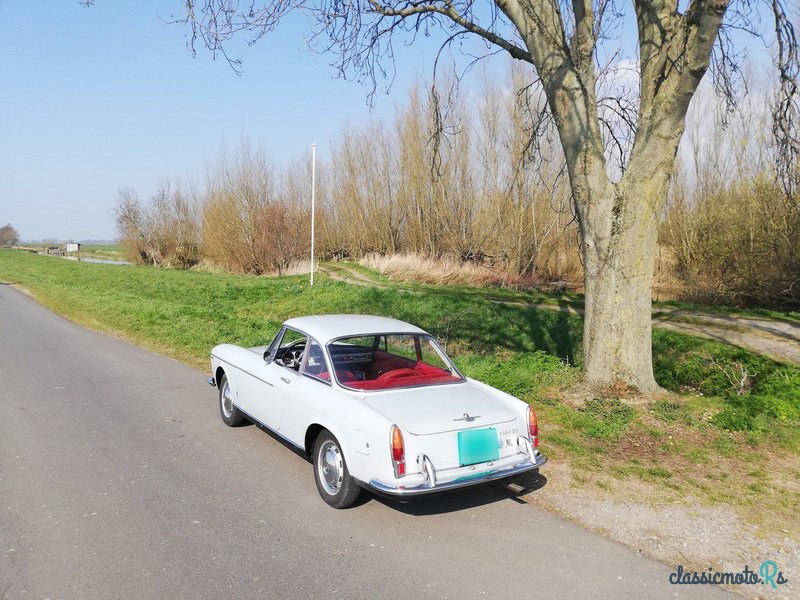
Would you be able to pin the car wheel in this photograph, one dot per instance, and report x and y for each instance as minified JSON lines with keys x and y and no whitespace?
{"x":333,"y":479}
{"x":231,"y":416}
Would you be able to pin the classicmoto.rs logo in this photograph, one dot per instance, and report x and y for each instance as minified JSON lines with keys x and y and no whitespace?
{"x":768,"y":574}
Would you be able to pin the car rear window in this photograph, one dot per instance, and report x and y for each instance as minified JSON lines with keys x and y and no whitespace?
{"x":391,"y":361}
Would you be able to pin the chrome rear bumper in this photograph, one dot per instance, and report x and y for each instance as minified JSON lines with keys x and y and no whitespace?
{"x":431,"y":486}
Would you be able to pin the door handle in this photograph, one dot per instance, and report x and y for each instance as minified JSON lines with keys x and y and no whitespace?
{"x":286,"y":380}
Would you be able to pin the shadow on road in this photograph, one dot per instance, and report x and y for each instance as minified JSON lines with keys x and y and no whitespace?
{"x":467,"y":498}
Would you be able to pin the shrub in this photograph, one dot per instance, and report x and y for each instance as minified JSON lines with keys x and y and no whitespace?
{"x":737,"y":244}
{"x":253,"y":222}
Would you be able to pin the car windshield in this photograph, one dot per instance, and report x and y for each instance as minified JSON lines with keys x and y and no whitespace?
{"x":390,"y":361}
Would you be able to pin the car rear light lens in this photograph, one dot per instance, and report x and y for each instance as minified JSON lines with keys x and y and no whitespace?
{"x":398,"y":452}
{"x":533,"y":427}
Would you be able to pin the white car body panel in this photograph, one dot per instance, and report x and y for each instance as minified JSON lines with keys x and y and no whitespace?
{"x":440,"y":408}
{"x":293,"y":404}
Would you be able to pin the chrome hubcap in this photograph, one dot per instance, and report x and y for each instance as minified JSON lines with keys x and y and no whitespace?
{"x":227,"y":401}
{"x":330,"y":467}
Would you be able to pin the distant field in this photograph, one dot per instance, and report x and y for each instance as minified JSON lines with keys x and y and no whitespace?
{"x":677,"y":443}
{"x":102,"y":248}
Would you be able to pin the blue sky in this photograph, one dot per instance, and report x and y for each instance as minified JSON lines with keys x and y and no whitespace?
{"x":98,"y":98}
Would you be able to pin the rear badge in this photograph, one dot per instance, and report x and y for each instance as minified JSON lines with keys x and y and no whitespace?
{"x":467,"y":418}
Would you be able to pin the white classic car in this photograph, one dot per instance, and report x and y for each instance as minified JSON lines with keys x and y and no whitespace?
{"x":375,"y":403}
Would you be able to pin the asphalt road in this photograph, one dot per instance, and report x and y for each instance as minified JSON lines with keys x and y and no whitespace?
{"x":118,"y":480}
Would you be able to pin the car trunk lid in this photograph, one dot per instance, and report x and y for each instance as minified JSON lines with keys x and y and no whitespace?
{"x":440,"y":408}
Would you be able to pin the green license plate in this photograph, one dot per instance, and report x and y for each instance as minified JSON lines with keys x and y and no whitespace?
{"x":477,"y":446}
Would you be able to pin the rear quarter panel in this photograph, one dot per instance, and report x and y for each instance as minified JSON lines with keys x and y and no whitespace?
{"x":362,"y":433}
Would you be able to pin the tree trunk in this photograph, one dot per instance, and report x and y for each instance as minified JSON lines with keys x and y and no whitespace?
{"x":619,"y":247}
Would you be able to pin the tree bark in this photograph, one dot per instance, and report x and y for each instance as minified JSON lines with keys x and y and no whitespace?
{"x":618,"y":277}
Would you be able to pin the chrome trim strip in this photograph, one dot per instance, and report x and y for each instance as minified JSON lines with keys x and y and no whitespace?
{"x":425,"y":488}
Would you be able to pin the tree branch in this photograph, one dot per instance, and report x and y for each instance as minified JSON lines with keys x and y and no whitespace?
{"x":584,"y":39}
{"x":675,"y":54}
{"x":448,"y":10}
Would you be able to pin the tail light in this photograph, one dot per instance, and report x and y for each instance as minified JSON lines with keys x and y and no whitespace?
{"x":533,"y":427}
{"x":398,"y":452}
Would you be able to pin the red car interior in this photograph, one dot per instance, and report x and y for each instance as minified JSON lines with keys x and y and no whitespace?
{"x":365,"y":368}
{"x":421,"y":374}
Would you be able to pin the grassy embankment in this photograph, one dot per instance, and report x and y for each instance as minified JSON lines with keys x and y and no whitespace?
{"x":706,"y":441}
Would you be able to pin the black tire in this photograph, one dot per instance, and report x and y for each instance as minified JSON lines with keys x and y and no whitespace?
{"x":233,"y":417}
{"x":331,"y":475}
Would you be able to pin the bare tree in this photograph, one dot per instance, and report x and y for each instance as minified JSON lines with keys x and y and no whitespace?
{"x":135,"y":229}
{"x":8,"y":235}
{"x":161,"y":233}
{"x":567,"y":42}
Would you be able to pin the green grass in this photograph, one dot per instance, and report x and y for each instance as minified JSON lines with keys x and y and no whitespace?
{"x":104,"y":251}
{"x":684,"y":363}
{"x":106,"y":248}
{"x":527,"y":352}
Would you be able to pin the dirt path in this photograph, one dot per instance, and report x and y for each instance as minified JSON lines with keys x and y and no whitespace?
{"x":777,"y":339}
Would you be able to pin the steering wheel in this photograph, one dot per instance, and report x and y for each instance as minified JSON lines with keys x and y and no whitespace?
{"x":291,"y":356}
{"x":396,"y":374}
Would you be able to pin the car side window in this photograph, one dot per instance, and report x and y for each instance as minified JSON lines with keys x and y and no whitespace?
{"x":314,"y":363}
{"x":291,"y":349}
{"x":274,"y":345}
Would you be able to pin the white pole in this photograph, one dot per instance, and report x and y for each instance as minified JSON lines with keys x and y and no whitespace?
{"x":313,"y":199}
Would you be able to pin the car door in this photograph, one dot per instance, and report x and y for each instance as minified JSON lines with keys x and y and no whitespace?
{"x":312,"y":386}
{"x":265,"y":392}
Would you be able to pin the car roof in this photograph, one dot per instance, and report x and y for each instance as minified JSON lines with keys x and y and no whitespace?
{"x":325,"y":328}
